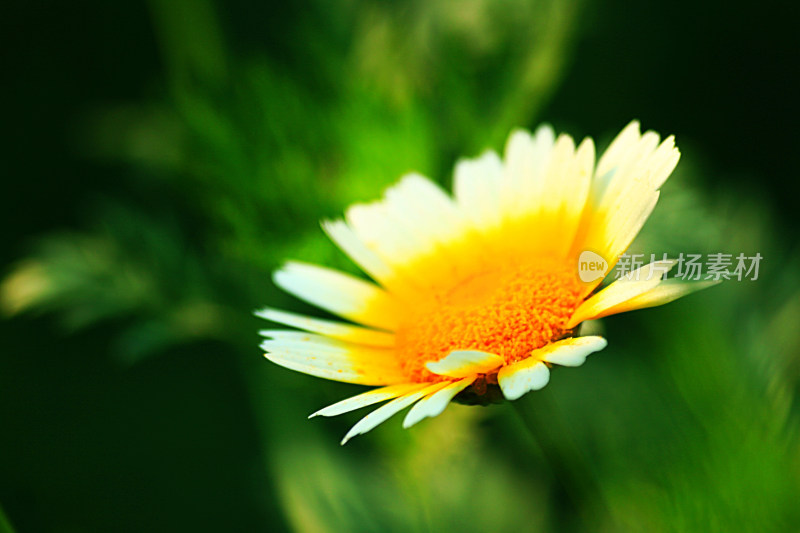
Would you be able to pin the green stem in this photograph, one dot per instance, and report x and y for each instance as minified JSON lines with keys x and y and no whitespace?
{"x":579,"y":502}
{"x":5,"y":525}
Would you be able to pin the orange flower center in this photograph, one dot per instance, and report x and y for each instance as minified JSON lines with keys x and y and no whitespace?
{"x":509,"y":311}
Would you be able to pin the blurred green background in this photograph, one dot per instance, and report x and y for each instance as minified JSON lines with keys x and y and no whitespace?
{"x":161,"y":158}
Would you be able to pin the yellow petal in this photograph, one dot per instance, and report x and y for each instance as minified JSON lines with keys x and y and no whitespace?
{"x":335,"y":330}
{"x":414,"y":217}
{"x":339,"y":293}
{"x":331,"y":359}
{"x":632,"y":285}
{"x":460,"y":364}
{"x":663,"y":293}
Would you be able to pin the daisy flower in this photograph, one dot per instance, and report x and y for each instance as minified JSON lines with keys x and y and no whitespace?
{"x":478,"y":295}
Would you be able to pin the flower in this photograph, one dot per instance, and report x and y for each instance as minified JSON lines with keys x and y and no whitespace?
{"x":481,"y":291}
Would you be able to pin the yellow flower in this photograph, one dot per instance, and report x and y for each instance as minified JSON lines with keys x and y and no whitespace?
{"x":480,"y":291}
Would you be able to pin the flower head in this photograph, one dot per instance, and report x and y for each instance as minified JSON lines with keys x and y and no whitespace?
{"x":478,"y":292}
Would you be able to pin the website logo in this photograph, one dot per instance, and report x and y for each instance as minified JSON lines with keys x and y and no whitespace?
{"x":591,"y":266}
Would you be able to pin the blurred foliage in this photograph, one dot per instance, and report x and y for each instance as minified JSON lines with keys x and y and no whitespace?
{"x":247,"y":152}
{"x":5,"y":527}
{"x":687,"y":422}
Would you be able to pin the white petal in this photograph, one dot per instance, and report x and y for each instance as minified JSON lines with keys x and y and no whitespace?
{"x":526,"y":160}
{"x":413,"y":218}
{"x":664,"y":292}
{"x":571,"y":351}
{"x":386,"y":411}
{"x":558,"y":179}
{"x":628,"y":137}
{"x":545,"y":187}
{"x":328,"y":328}
{"x":387,"y":235}
{"x":633,"y":166}
{"x":524,"y":376}
{"x":580,"y":178}
{"x":369,"y":398}
{"x":426,"y":209}
{"x":339,"y":293}
{"x":475,"y":186}
{"x":568,"y":182}
{"x":629,"y":215}
{"x":434,"y":404}
{"x":518,"y":169}
{"x":344,"y":237}
{"x":663,"y":162}
{"x":625,"y":190}
{"x":462,"y":363}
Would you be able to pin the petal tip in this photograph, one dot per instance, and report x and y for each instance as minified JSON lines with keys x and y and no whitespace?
{"x":409,"y":421}
{"x":520,"y":378}
{"x":347,"y":437}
